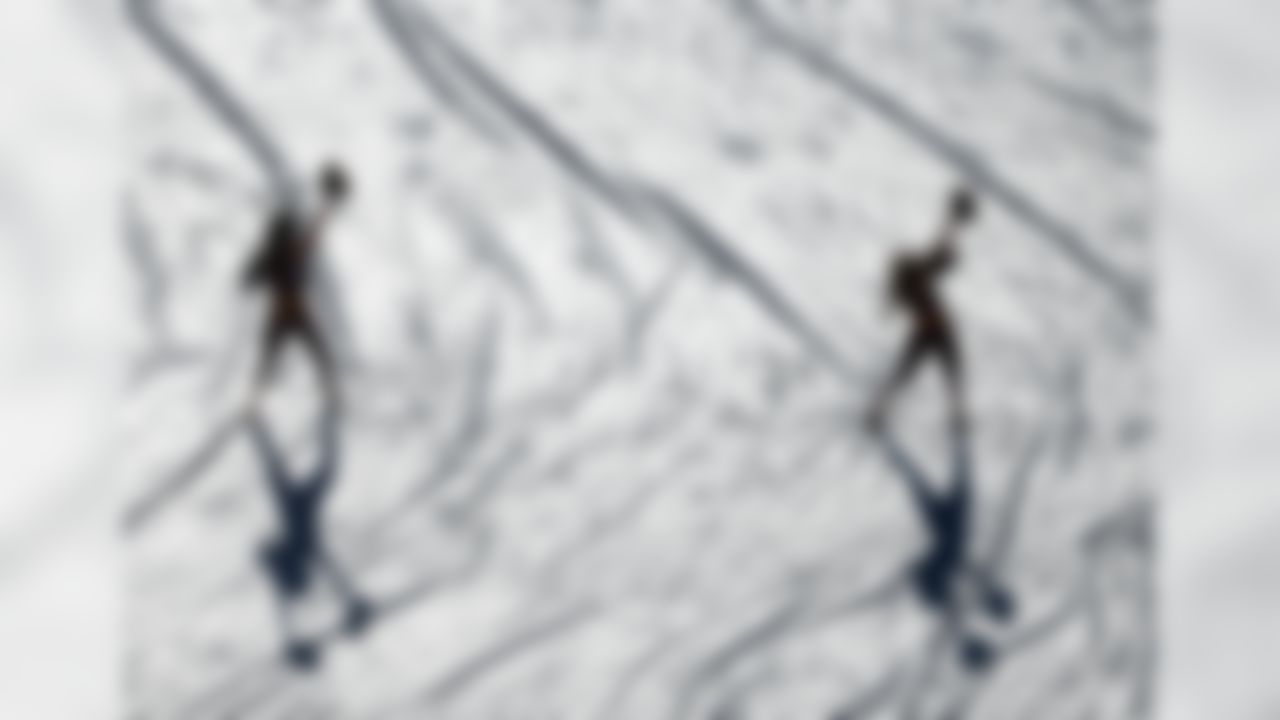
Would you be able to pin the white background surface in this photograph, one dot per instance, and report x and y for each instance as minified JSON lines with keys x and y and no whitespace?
{"x":61,"y":152}
{"x":1219,"y":350}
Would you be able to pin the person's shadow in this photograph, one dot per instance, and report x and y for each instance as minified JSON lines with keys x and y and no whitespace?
{"x":298,"y":554}
{"x":947,"y":575}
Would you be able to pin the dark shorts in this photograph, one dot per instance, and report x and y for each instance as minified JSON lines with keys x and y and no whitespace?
{"x":934,"y":337}
{"x":288,"y":313}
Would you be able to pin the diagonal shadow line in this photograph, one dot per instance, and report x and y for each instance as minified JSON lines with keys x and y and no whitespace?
{"x":270,"y":456}
{"x":1107,"y":110}
{"x":868,"y":702}
{"x":505,"y":651}
{"x":596,"y":253}
{"x":1148,"y":651}
{"x":201,"y":174}
{"x":799,"y":613}
{"x":1034,"y":634}
{"x":646,"y":312}
{"x":480,"y":551}
{"x":910,"y":473}
{"x":149,"y":269}
{"x":756,"y":636}
{"x":614,"y":704}
{"x":926,"y":672}
{"x":488,"y":245}
{"x":643,"y":204}
{"x":871,"y":701}
{"x":1129,"y":291}
{"x":563,"y":151}
{"x":217,"y":98}
{"x":435,"y":70}
{"x":1006,"y":524}
{"x":475,"y":416}
{"x":1098,"y":19}
{"x":718,"y":251}
{"x":759,"y":629}
{"x":232,"y":701}
{"x":144,"y":511}
{"x":162,"y":352}
{"x":612,"y":523}
{"x":475,"y":497}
